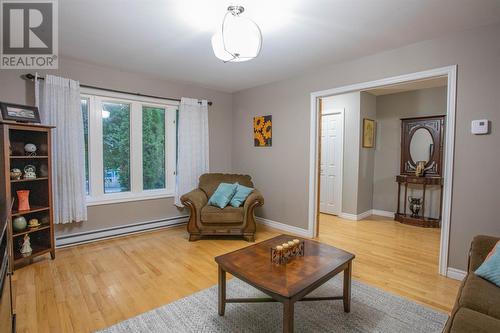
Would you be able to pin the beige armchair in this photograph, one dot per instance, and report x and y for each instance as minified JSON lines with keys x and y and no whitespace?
{"x":208,"y":220}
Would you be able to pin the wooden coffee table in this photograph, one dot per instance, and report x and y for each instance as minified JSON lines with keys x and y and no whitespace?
{"x":285,"y":283}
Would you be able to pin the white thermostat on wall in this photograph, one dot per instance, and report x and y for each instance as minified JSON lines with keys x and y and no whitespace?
{"x":480,"y":126}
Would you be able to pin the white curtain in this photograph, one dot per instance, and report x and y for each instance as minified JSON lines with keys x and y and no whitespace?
{"x":58,"y":100}
{"x":192,"y":143}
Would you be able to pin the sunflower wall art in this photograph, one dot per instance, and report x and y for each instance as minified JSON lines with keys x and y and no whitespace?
{"x":262,"y":131}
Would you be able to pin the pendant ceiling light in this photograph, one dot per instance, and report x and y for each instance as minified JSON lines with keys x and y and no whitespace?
{"x":239,"y":38}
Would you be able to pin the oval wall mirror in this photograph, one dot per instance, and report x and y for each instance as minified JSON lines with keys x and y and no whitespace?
{"x":421,"y":145}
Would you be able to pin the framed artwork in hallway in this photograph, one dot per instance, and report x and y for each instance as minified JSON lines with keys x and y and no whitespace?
{"x":369,"y":133}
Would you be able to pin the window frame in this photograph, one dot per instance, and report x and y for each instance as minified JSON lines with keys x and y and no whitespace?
{"x":96,"y":194}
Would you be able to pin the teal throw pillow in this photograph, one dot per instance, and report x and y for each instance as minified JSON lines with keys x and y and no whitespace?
{"x":242,"y":193}
{"x":490,"y":268}
{"x":223,"y":195}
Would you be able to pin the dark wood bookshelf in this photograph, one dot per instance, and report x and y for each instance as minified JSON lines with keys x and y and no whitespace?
{"x":28,"y":157}
{"x":33,"y":209}
{"x":28,"y":180}
{"x":30,"y":230}
{"x":13,"y":138}
{"x":38,"y":250}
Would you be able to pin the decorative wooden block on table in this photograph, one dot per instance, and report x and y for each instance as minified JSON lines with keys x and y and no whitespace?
{"x":282,"y":254}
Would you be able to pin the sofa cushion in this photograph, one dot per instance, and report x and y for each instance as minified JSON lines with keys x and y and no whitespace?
{"x":223,"y":195}
{"x":490,"y":268}
{"x":481,"y":296}
{"x":215,"y":215}
{"x":467,"y":320}
{"x":210,"y":181}
{"x":496,"y":249}
{"x":480,"y":248}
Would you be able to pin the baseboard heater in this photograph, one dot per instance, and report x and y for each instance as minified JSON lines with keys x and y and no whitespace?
{"x":100,"y":234}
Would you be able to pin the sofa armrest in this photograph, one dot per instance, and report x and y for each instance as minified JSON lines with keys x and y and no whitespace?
{"x":480,"y":247}
{"x":466,"y":320}
{"x":255,"y":198}
{"x":196,"y":198}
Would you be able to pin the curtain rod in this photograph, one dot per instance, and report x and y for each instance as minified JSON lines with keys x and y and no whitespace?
{"x":31,"y":77}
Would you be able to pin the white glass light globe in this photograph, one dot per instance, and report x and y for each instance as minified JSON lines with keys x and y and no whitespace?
{"x":218,"y":47}
{"x":238,"y":40}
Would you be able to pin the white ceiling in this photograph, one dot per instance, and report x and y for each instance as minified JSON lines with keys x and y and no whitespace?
{"x":441,"y":81}
{"x":170,"y":39}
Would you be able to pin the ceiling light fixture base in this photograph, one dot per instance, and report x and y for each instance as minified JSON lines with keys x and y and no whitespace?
{"x":236,"y":10}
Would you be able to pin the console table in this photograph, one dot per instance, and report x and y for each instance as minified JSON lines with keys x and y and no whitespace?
{"x":422,"y":220}
{"x":421,"y":165}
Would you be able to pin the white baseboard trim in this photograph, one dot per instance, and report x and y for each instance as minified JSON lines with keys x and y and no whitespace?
{"x":355,"y":217}
{"x":119,"y":231}
{"x":383,"y":213}
{"x":283,"y":227}
{"x":456,"y":274}
{"x":348,"y":216}
{"x":366,"y":214}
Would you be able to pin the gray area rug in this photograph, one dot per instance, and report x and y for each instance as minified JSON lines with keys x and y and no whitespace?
{"x":372,"y":310}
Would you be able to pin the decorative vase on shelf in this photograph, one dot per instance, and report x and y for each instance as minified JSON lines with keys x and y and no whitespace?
{"x":23,"y":199}
{"x":19,"y":223}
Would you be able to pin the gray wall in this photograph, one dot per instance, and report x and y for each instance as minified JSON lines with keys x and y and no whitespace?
{"x":351,"y":105}
{"x":390,"y":109}
{"x":283,"y":170}
{"x":15,"y":90}
{"x":368,"y":109}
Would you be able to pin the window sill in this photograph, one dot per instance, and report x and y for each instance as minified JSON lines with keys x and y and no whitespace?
{"x":108,"y":199}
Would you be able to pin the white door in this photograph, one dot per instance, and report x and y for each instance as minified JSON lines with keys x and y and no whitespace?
{"x":332,"y":126}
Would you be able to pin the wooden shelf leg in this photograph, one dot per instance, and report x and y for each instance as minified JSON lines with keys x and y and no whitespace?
{"x":423,"y":204}
{"x":405,"y":198}
{"x":399,"y":197}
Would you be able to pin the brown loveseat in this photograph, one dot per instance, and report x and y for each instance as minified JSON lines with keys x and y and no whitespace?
{"x":208,"y":220}
{"x":477,"y":308}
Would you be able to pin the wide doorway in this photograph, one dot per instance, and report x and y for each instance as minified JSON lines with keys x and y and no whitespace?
{"x":383,"y":152}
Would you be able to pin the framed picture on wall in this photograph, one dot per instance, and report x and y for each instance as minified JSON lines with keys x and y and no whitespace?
{"x":20,"y":113}
{"x":262,"y":131}
{"x":369,"y":127}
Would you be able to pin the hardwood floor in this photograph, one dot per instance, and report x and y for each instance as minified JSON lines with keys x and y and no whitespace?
{"x":399,"y":258}
{"x":92,"y":286}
